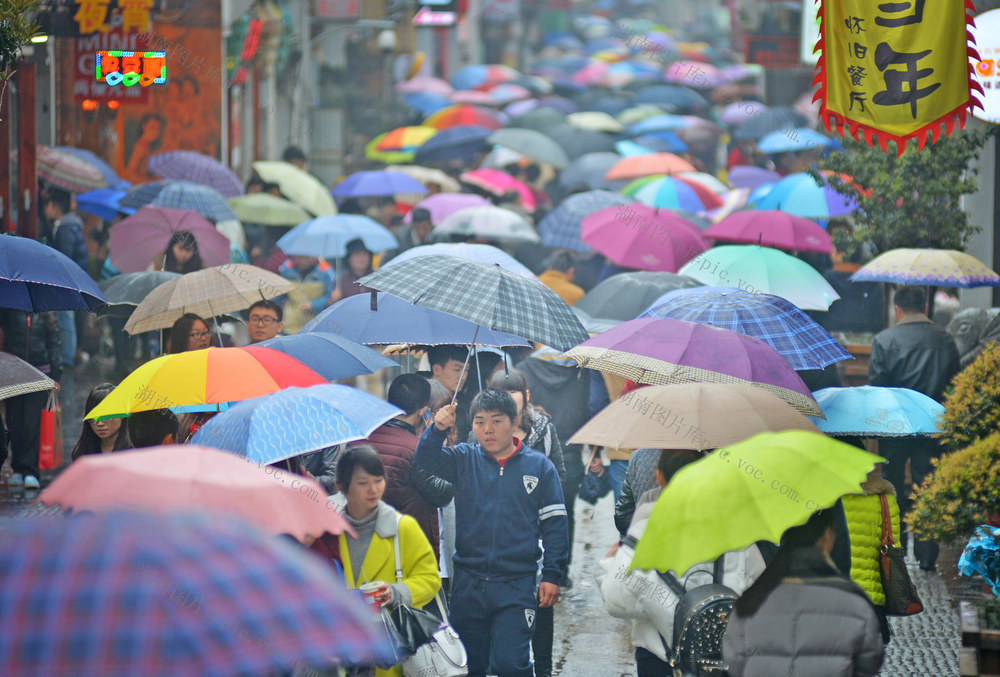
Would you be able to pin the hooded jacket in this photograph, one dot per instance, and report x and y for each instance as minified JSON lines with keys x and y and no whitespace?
{"x":35,"y":339}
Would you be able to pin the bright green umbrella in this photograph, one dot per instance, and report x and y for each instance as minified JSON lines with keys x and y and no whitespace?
{"x":267,"y":210}
{"x":751,"y":491}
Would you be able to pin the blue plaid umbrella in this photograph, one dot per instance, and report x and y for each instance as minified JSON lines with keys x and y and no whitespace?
{"x":34,"y":278}
{"x":295,"y":421}
{"x":180,"y":195}
{"x":327,"y":236}
{"x":187,"y":165}
{"x":561,"y":227}
{"x":873,"y":411}
{"x":123,"y":594}
{"x":332,"y":357}
{"x":772,"y":319}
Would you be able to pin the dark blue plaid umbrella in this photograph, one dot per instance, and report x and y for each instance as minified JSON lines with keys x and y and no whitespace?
{"x":34,"y":277}
{"x":205,"y":200}
{"x":125,"y":594}
{"x":772,"y":319}
{"x":561,"y":227}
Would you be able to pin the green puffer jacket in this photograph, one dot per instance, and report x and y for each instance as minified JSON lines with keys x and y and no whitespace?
{"x":864,"y":524}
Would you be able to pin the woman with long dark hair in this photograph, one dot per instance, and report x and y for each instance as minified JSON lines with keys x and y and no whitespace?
{"x":100,"y":437}
{"x":182,"y":254}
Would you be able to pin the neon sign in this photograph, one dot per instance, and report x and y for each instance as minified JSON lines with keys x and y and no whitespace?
{"x":116,"y":67}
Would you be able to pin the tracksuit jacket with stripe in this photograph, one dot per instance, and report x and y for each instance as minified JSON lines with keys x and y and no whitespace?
{"x":501,"y":512}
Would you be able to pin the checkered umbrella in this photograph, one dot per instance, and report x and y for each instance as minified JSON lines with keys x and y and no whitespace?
{"x":561,"y":226}
{"x":187,"y":165}
{"x":195,"y":197}
{"x":123,"y":594}
{"x":487,"y":295}
{"x":17,"y":377}
{"x":770,"y":318}
{"x":68,"y":171}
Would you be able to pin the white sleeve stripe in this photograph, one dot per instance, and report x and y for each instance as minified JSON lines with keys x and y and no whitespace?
{"x":554,"y":506}
{"x":554,"y":513}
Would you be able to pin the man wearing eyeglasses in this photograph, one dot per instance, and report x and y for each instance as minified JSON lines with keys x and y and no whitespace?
{"x":265,"y":321}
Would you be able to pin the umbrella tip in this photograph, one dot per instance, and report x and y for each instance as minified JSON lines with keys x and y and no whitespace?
{"x":374,"y":300}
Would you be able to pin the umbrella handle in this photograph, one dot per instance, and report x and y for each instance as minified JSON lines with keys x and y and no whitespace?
{"x":466,"y":365}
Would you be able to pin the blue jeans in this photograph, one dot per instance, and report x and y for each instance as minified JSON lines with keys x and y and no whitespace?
{"x":617,"y":470}
{"x":67,"y":332}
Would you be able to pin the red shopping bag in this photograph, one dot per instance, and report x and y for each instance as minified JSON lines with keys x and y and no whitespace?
{"x":50,"y":444}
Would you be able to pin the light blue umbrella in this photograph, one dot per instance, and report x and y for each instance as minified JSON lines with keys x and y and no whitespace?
{"x":483,"y":253}
{"x":295,"y":421}
{"x":327,"y":236}
{"x":794,"y":139}
{"x":332,"y":357}
{"x":872,"y":411}
{"x":113,"y":180}
{"x":659,"y":123}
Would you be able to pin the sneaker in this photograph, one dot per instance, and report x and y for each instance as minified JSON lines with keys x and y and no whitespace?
{"x":31,"y":482}
{"x":15,"y":480}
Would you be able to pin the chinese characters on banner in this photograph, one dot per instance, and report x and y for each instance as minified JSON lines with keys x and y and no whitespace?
{"x":891,"y":71}
{"x":86,"y":85}
{"x":92,"y":15}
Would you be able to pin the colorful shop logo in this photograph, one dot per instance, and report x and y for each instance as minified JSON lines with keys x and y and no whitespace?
{"x":116,"y":67}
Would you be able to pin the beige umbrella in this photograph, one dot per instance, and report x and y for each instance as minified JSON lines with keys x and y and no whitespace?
{"x":690,"y":416}
{"x":209,"y":293}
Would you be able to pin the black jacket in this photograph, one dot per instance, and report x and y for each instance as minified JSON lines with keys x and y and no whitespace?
{"x":40,"y":346}
{"x":322,"y":465}
{"x":640,"y":477}
{"x":67,"y":237}
{"x":915,"y":354}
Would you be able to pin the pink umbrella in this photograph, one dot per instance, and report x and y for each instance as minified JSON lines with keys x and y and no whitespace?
{"x":591,"y":74}
{"x":138,"y":239}
{"x":473,"y":96}
{"x":693,"y":74}
{"x":508,"y":92}
{"x":772,"y":228}
{"x":423,"y":83}
{"x":443,"y":205}
{"x":642,"y":237}
{"x":498,"y":183}
{"x":739,"y":112}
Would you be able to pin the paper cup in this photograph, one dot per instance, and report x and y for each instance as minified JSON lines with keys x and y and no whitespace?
{"x":368,"y":590}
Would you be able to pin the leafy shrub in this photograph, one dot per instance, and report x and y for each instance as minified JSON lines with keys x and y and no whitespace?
{"x":972,"y":408}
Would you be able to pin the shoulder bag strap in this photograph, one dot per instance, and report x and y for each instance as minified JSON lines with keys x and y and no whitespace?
{"x":886,"y":522}
{"x":395,"y":548}
{"x":719,"y":569}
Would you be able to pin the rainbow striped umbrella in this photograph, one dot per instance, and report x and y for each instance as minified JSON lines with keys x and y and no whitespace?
{"x":939,"y":267}
{"x":669,"y":192}
{"x":464,"y":114}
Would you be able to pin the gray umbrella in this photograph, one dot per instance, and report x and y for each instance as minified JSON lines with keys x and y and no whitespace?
{"x":17,"y":377}
{"x":538,"y":118}
{"x":588,"y":170}
{"x":532,"y":144}
{"x":626,"y":295}
{"x":125,"y":292}
{"x":577,"y":142}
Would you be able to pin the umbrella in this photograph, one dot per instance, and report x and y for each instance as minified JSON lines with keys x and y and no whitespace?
{"x":681,"y":98}
{"x":208,"y":292}
{"x":34,"y":278}
{"x":772,"y":319}
{"x":639,"y":166}
{"x":538,"y":119}
{"x":769,"y":120}
{"x":429,"y":177}
{"x":138,"y":239}
{"x":498,"y":183}
{"x":377,"y":183}
{"x":706,"y":180}
{"x":331,"y":356}
{"x":576,"y":142}
{"x":534,"y":84}
{"x":595,"y":121}
{"x":423,"y":83}
{"x":17,"y":377}
{"x":464,"y":114}
{"x":68,"y":170}
{"x":772,"y":228}
{"x":500,"y":157}
{"x":483,"y":253}
{"x":732,"y":200}
{"x":125,"y":292}
{"x":561,"y":227}
{"x":748,"y":176}
{"x":489,"y":223}
{"x":871,"y":411}
{"x":637,"y":236}
{"x":763,"y":270}
{"x":625,"y":295}
{"x":295,"y":421}
{"x":937,"y":267}
{"x":802,"y":195}
{"x":397,"y":321}
{"x":180,"y":478}
{"x":588,"y":170}
{"x":532,"y":144}
{"x":327,"y":236}
{"x":405,"y":139}
{"x":635,"y":114}
{"x":442,"y":205}
{"x":794,"y":140}
{"x":559,"y":103}
{"x":477,"y":75}
{"x":126,"y":593}
{"x":460,"y":142}
{"x":212,"y":376}
{"x":662,"y":351}
{"x":267,"y":210}
{"x":299,"y":186}
{"x":187,"y":165}
{"x":426,"y":103}
{"x":759,"y":488}
{"x":693,"y":74}
{"x":658,"y":142}
{"x":689,"y":416}
{"x":103,"y":203}
{"x":110,"y":176}
{"x":659,"y":123}
{"x":180,"y":195}
{"x":508,"y":92}
{"x":669,"y":192}
{"x":484,"y":294}
{"x":738,"y":112}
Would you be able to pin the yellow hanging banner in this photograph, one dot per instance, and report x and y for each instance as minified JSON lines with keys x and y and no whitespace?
{"x":893,"y":71}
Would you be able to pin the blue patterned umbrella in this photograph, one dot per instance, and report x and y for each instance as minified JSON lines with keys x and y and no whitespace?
{"x":34,"y":278}
{"x":483,"y":253}
{"x":327,"y":236}
{"x":772,"y":319}
{"x":180,"y":195}
{"x":873,"y":411}
{"x":332,"y":357}
{"x":295,"y":421}
{"x":561,"y":227}
{"x":187,"y":165}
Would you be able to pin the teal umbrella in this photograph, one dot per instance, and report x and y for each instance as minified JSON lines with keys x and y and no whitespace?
{"x":872,"y":411}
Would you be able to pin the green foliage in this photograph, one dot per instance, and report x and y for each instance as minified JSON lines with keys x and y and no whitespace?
{"x":912,"y":200}
{"x":989,"y":614}
{"x":962,"y":493}
{"x":972,"y":408}
{"x":16,"y":30}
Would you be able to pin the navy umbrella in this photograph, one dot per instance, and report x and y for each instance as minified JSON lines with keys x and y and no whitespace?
{"x":34,"y":278}
{"x":460,"y":142}
{"x":771,"y":120}
{"x":684,"y":99}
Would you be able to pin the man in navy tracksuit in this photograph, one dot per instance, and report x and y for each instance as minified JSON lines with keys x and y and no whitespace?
{"x":507,"y":497}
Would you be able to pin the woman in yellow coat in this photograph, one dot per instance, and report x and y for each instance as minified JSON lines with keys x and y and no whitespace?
{"x":370,"y":557}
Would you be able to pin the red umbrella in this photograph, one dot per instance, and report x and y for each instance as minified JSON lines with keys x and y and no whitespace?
{"x":464,"y":114}
{"x":137,"y":240}
{"x":772,"y":228}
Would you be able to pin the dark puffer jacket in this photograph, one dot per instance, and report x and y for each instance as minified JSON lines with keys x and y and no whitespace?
{"x":37,"y":342}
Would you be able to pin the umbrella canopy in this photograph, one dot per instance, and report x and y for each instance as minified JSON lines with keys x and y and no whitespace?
{"x":478,"y":75}
{"x":180,"y":478}
{"x":763,"y":270}
{"x":595,"y":121}
{"x":464,"y":114}
{"x":486,"y":295}
{"x":561,"y":227}
{"x":423,"y":83}
{"x":295,"y":421}
{"x":802,"y":195}
{"x":681,"y":98}
{"x":331,"y":356}
{"x":696,"y":416}
{"x":426,"y":103}
{"x":659,"y":123}
{"x":405,"y":139}
{"x":103,"y":203}
{"x":114,"y":181}
{"x":772,"y":228}
{"x":268,"y":210}
{"x":497,"y":182}
{"x":772,"y":319}
{"x":793,"y":140}
{"x":138,"y":239}
{"x":658,"y":142}
{"x":759,"y":488}
{"x":673,"y":351}
{"x":635,"y":114}
{"x":576,"y":142}
{"x":429,"y":177}
{"x":187,"y":165}
{"x":127,"y":593}
{"x":125,"y":292}
{"x":871,"y":411}
{"x":299,"y":186}
{"x":212,"y":376}
{"x":443,"y":205}
{"x":327,"y":236}
{"x":748,"y":176}
{"x":538,"y":118}
{"x":626,"y":295}
{"x":378,"y":183}
{"x":588,"y":170}
{"x":17,"y":377}
{"x":647,"y":165}
{"x":180,"y":195}
{"x":738,"y":112}
{"x":637,"y":236}
{"x":208,"y":292}
{"x":507,"y":93}
{"x":939,"y":267}
{"x":397,"y":321}
{"x":483,"y":253}
{"x":532,"y":144}
{"x":669,"y":192}
{"x":68,"y":170}
{"x":706,"y":180}
{"x":489,"y":223}
{"x":34,"y":278}
{"x":461,"y":142}
{"x":767,"y":121}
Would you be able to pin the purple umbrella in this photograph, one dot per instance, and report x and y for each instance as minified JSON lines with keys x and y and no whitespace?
{"x":187,"y":165}
{"x":443,"y":205}
{"x":739,"y":112}
{"x":663,"y":351}
{"x":749,"y":176}
{"x":520,"y":107}
{"x":137,"y":240}
{"x":377,"y":183}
